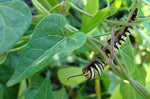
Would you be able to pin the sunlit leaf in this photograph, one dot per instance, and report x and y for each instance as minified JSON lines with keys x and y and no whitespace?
{"x":128,"y":92}
{"x":92,"y":8}
{"x":96,"y":20}
{"x":22,"y":89}
{"x":65,"y":73}
{"x":148,"y":79}
{"x":116,"y":93}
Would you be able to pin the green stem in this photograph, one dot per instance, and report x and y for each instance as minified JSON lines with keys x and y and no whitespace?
{"x":89,"y":46}
{"x":74,"y":19}
{"x":70,"y":28}
{"x":97,"y":88}
{"x":97,"y":41}
{"x":55,"y":7}
{"x":108,"y":3}
{"x":18,"y":48}
{"x":78,"y":9}
{"x":40,"y":7}
{"x":122,"y":23}
{"x":26,"y":37}
{"x":142,"y":20}
{"x":97,"y":48}
{"x":107,"y":33}
{"x":99,"y":35}
{"x":108,"y":21}
{"x":23,"y":39}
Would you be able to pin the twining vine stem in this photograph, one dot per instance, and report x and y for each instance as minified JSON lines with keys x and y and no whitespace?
{"x":94,"y":42}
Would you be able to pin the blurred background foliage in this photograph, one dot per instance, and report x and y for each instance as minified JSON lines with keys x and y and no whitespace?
{"x":64,"y":64}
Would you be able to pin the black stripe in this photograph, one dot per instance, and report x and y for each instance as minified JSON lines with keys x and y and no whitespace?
{"x":121,"y":38}
{"x":90,"y":72}
{"x":116,"y":47}
{"x":101,"y":66}
{"x":119,"y":43}
{"x":96,"y":68}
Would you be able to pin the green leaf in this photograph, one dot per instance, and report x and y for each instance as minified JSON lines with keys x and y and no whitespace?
{"x":116,"y":94}
{"x":148,"y":79}
{"x":92,"y":8}
{"x":61,"y":94}
{"x":140,"y":74}
{"x":2,"y":1}
{"x":127,"y":55}
{"x":36,"y":79}
{"x":128,"y":92}
{"x":22,"y":89}
{"x":15,"y":18}
{"x":45,"y":91}
{"x":5,"y":74}
{"x":64,"y":73}
{"x":47,"y":40}
{"x":96,"y":20}
{"x":112,"y":77}
{"x":1,"y":92}
{"x":29,"y":94}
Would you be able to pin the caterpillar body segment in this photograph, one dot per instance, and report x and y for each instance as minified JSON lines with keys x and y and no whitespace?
{"x":96,"y":67}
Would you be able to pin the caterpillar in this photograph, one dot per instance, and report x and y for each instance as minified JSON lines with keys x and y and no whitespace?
{"x":95,"y":67}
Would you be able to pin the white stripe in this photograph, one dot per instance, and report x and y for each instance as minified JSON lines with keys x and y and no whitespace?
{"x":117,"y":44}
{"x":92,"y":72}
{"x":87,"y":73}
{"x":98,"y":68}
{"x":123,"y":37}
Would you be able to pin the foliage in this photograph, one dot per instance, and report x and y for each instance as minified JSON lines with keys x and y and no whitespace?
{"x":40,"y":52}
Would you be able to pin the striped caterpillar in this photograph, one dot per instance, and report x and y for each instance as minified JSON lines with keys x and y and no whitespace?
{"x":95,"y":67}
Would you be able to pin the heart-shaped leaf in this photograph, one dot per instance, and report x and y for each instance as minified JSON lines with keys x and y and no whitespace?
{"x":15,"y":18}
{"x":47,"y":40}
{"x":65,"y":73}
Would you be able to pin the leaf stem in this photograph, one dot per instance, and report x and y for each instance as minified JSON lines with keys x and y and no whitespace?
{"x":78,"y":9}
{"x":23,"y":39}
{"x":55,"y":7}
{"x":17,"y":49}
{"x":40,"y":7}
{"x":107,"y":33}
{"x":97,"y":88}
{"x":89,"y":46}
{"x":97,"y":41}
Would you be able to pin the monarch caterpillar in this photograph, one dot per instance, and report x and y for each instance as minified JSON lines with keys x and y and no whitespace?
{"x":95,"y":67}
